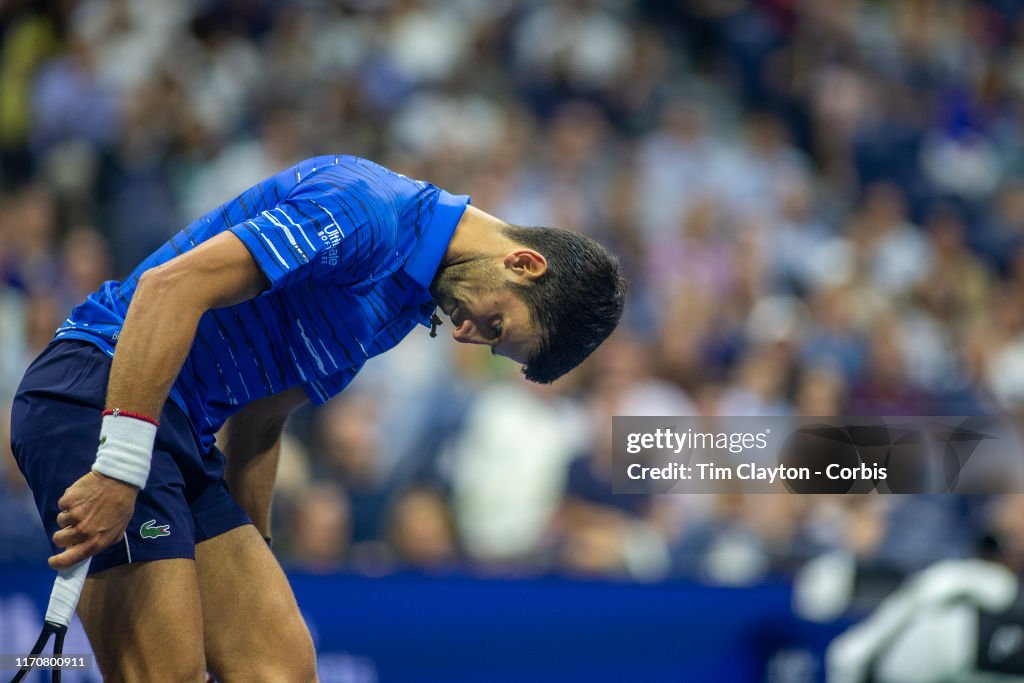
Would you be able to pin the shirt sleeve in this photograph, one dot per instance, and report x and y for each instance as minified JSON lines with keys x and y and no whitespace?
{"x":337,"y":234}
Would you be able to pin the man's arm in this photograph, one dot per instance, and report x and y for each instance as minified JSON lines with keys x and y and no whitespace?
{"x":162,"y":319}
{"x":157,"y":334}
{"x":251,"y":441}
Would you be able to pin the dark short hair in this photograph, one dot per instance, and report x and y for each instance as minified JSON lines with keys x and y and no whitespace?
{"x":577,"y":302}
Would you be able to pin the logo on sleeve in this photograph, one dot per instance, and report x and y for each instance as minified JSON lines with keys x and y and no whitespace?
{"x":151,"y":530}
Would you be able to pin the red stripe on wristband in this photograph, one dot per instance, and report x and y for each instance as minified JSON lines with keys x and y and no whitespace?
{"x":117,"y":412}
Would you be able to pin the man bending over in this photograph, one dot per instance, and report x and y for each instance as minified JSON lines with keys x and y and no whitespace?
{"x":277,"y":297}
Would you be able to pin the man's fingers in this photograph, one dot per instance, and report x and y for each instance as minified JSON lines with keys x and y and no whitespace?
{"x":72,"y":556}
{"x":78,"y":546}
{"x":92,"y":515}
{"x":69,"y":536}
{"x":66,"y":501}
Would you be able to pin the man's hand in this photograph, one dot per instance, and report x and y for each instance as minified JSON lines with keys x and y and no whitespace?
{"x":95,"y":511}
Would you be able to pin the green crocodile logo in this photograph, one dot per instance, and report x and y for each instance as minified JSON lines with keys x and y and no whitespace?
{"x":151,"y":530}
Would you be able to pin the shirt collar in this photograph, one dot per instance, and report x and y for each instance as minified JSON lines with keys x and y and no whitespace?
{"x":425,"y":257}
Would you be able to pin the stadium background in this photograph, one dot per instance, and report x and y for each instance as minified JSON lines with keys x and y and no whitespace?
{"x":820,"y":208}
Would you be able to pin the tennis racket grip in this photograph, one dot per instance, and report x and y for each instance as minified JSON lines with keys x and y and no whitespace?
{"x":66,"y":591}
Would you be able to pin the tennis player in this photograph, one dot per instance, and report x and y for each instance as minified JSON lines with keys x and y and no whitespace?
{"x":275,"y":298}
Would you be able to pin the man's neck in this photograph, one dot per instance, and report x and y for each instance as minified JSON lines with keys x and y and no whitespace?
{"x":477,"y":234}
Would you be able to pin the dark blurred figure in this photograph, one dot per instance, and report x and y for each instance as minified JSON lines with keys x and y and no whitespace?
{"x":348,"y":455}
{"x":884,"y":388}
{"x":599,"y":532}
{"x":321,"y":529}
{"x":31,"y":31}
{"x":86,"y":263}
{"x":421,"y":531}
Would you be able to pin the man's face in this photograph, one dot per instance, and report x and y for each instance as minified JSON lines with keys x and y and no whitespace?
{"x":484,"y":309}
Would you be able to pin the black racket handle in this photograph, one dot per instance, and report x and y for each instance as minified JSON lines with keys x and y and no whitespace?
{"x":67,"y":588}
{"x":49,"y":628}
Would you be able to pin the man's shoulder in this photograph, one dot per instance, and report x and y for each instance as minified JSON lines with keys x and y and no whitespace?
{"x":347,"y":166}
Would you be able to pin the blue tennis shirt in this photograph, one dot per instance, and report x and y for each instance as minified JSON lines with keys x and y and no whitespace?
{"x":350,"y":249}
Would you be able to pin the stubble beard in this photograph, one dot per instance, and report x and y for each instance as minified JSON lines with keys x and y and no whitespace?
{"x":458,"y":282}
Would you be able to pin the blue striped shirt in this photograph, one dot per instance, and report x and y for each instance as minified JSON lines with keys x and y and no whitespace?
{"x":350,"y":249}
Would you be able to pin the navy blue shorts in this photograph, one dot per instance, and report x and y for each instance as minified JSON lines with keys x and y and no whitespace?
{"x":55,"y":428}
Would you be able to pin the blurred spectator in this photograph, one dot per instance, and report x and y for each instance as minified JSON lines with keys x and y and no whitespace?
{"x":742,"y":540}
{"x":1002,"y":231}
{"x":32,"y":33}
{"x":820,"y":392}
{"x":1005,"y":530}
{"x":71,"y":101}
{"x":672,"y":163}
{"x":508,"y":469}
{"x":85,"y":265}
{"x":321,"y":529}
{"x":349,"y":455}
{"x":599,"y":532}
{"x":421,"y":531}
{"x":884,"y":387}
{"x":575,"y":47}
{"x":31,"y":264}
{"x":760,"y":384}
{"x":14,"y":353}
{"x":891,"y":251}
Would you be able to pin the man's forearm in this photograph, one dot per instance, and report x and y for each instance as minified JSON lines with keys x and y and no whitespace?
{"x":154,"y":340}
{"x":251,"y":470}
{"x":157,"y":334}
{"x":251,"y":441}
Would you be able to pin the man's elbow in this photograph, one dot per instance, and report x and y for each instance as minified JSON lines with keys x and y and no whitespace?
{"x":170,"y":286}
{"x":161,"y":278}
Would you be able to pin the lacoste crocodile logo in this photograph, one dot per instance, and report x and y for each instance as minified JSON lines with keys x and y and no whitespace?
{"x":151,"y":530}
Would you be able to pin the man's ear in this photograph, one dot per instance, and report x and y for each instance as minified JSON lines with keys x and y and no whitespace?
{"x":526,"y":263}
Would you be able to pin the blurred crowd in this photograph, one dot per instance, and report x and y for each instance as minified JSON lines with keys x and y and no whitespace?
{"x":819,"y":207}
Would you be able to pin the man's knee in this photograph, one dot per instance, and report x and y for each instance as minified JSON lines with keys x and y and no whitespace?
{"x":297,"y":658}
{"x":187,"y":668}
{"x":191,"y":668}
{"x":291,"y":660}
{"x":254,"y":630}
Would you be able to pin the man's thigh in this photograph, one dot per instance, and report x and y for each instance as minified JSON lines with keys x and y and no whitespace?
{"x":144,"y":621}
{"x":251,"y":622}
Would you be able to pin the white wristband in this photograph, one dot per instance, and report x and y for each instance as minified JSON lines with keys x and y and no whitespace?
{"x":126,"y":448}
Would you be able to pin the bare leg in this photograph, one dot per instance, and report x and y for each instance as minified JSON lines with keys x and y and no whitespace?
{"x":144,"y":621}
{"x":254,"y":631}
